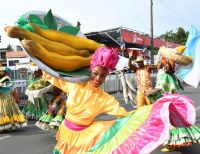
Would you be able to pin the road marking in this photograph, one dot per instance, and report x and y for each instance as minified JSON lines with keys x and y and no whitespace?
{"x":4,"y":137}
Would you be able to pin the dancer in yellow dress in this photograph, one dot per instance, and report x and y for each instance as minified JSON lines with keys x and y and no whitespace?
{"x":133,"y":132}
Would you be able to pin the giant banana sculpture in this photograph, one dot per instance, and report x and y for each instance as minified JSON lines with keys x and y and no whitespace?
{"x":76,"y":42}
{"x":51,"y":46}
{"x":54,"y":60}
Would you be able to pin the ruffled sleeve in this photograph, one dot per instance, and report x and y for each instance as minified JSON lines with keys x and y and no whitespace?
{"x":61,"y":84}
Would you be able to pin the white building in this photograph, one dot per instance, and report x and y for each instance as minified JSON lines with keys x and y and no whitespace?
{"x":21,"y":69}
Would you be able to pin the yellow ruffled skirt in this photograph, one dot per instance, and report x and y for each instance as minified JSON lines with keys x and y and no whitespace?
{"x":10,"y":115}
{"x":79,"y":142}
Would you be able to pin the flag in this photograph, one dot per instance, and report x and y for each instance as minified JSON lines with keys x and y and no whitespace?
{"x":191,"y":75}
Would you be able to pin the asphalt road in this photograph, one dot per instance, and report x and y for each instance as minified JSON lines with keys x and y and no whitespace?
{"x":194,"y":94}
{"x":27,"y":140}
{"x":32,"y":140}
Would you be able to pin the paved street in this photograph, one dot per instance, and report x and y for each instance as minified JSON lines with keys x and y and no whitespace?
{"x":31,"y":140}
{"x":28,"y":140}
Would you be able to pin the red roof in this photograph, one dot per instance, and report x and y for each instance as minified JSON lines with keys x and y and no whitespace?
{"x":15,"y":54}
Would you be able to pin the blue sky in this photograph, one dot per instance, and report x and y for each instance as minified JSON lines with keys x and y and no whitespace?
{"x":96,"y":15}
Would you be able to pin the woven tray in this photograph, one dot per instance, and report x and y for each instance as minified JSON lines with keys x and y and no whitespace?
{"x":80,"y":75}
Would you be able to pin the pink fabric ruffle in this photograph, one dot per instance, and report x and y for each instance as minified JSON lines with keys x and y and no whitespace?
{"x":172,"y":108}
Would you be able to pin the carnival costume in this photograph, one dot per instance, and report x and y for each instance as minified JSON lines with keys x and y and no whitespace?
{"x":55,"y":113}
{"x":60,"y":115}
{"x":143,"y":78}
{"x":178,"y":136}
{"x":10,"y":115}
{"x":139,"y":132}
{"x":38,"y":98}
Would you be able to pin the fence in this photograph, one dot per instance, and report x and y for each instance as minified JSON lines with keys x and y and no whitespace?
{"x":20,"y":82}
{"x":112,"y":84}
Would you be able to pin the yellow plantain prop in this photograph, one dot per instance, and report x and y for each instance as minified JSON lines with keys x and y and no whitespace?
{"x":180,"y":49}
{"x":169,"y":54}
{"x":51,"y":46}
{"x":53,"y":60}
{"x":76,"y":42}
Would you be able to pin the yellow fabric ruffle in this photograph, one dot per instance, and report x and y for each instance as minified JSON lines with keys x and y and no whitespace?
{"x":9,"y":111}
{"x":13,"y":119}
{"x":79,"y":142}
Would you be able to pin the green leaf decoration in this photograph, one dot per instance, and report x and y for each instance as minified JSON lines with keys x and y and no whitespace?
{"x":70,"y":29}
{"x":35,"y":19}
{"x":50,"y":21}
{"x":79,"y":72}
{"x":21,"y":21}
{"x":28,"y":27}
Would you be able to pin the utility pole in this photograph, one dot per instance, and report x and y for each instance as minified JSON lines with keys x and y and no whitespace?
{"x":151,"y":22}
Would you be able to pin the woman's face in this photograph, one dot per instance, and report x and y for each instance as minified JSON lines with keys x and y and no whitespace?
{"x":98,"y":76}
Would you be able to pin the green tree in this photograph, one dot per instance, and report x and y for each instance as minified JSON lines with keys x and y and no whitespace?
{"x":179,"y":37}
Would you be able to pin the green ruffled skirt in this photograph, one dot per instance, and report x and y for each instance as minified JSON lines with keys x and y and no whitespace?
{"x":34,"y":110}
{"x":182,"y":137}
{"x":54,"y":115}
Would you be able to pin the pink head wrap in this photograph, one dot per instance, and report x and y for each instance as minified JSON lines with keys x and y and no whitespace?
{"x":106,"y":57}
